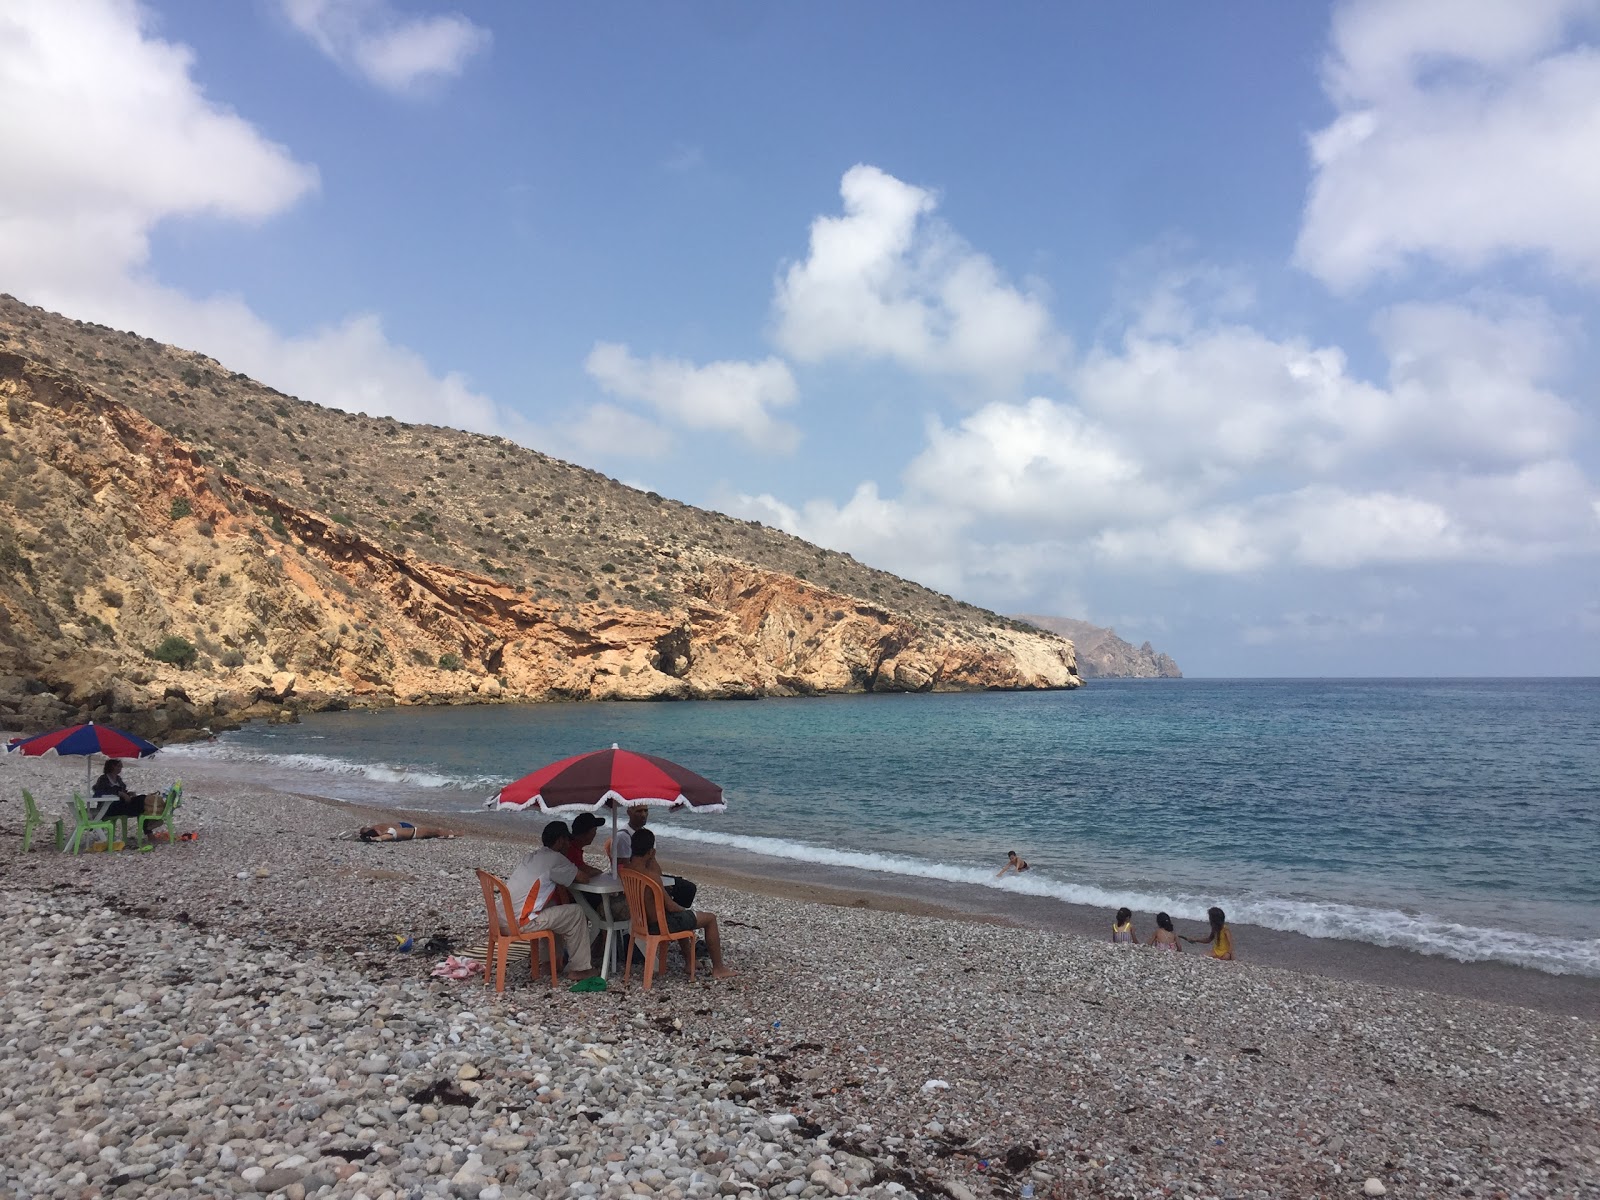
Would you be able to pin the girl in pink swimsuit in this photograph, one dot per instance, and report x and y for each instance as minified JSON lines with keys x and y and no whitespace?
{"x":1165,"y":937}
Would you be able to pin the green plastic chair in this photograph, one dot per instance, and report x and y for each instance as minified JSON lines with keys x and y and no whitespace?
{"x":174,"y":797}
{"x":33,"y":819}
{"x":87,"y":824}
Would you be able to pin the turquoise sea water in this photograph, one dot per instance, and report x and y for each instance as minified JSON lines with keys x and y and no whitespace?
{"x":1451,"y":817}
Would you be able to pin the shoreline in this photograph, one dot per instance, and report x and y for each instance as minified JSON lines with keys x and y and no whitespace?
{"x":751,"y":872}
{"x":898,"y":1046}
{"x":850,"y":887}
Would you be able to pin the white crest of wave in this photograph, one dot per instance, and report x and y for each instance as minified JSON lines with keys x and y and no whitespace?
{"x":327,"y":764}
{"x":1319,"y":919}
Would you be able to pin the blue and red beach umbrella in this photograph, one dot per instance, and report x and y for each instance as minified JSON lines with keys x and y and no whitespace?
{"x":88,"y":740}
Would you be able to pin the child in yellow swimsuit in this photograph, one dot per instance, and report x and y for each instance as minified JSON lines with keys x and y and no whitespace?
{"x":1220,"y":939}
{"x":1122,"y":928}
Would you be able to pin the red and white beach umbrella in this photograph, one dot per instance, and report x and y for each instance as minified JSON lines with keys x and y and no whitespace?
{"x":610,"y":779}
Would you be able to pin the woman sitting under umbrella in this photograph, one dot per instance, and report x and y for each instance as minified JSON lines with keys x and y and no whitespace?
{"x":110,"y":783}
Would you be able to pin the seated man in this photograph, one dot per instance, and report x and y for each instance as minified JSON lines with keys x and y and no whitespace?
{"x":679,"y":919}
{"x":583,"y":830}
{"x":681,"y":890}
{"x":533,"y":885}
{"x":110,"y":783}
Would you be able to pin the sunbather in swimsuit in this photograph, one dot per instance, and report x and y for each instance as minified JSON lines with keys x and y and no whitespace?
{"x":401,"y":831}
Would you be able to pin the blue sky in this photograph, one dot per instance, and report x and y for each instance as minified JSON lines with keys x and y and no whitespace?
{"x":1262,"y":331}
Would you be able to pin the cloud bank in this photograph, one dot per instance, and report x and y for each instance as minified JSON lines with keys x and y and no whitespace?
{"x":1463,"y":134}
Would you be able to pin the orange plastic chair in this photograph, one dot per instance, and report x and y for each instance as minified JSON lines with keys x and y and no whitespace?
{"x":497,"y":894}
{"x":648,"y":903}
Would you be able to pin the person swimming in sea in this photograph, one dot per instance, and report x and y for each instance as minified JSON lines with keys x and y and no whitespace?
{"x":1122,"y":928}
{"x":1220,"y":939}
{"x":1165,"y":936}
{"x":1014,"y":862}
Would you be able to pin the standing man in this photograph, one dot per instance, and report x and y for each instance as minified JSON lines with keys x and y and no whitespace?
{"x":533,"y":885}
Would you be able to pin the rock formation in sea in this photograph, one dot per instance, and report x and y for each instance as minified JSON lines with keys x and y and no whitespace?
{"x":181,"y":546}
{"x":1103,"y":655}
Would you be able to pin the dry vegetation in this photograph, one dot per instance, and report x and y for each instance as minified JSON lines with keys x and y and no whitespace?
{"x":483,"y":504}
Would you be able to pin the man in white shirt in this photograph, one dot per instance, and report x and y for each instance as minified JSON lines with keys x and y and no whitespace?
{"x":680,"y":889}
{"x":534,"y":883}
{"x":637,"y":816}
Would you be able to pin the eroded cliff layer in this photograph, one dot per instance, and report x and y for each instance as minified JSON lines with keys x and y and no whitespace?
{"x":171,"y":578}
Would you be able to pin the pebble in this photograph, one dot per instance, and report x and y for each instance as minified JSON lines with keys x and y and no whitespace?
{"x":234,"y":1057}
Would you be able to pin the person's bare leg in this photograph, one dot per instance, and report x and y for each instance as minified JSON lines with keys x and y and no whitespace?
{"x":708,"y":922}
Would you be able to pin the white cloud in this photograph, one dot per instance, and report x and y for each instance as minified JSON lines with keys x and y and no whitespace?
{"x":1224,"y":402}
{"x":1218,"y":450}
{"x":888,"y":280}
{"x":1301,"y":626}
{"x":395,"y":52}
{"x":1464,"y":133}
{"x":731,"y":397}
{"x":107,"y":134}
{"x":916,"y":541}
{"x":605,"y":429}
{"x":1038,"y":462}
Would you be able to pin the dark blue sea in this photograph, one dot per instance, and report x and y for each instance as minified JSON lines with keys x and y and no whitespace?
{"x":1454,"y":817}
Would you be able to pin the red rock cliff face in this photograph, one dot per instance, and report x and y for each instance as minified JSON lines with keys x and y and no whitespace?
{"x":115,"y":535}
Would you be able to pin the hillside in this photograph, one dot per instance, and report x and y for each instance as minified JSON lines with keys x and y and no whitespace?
{"x":1103,"y":655}
{"x":314,"y":558}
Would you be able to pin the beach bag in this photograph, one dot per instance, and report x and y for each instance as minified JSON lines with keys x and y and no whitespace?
{"x":154,"y":802}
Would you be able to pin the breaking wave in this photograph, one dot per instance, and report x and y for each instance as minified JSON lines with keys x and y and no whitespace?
{"x":323,"y":764}
{"x":1418,"y":932}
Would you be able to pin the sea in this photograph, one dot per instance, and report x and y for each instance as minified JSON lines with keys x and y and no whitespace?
{"x":1450,"y":817}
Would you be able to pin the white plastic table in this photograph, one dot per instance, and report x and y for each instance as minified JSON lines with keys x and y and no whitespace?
{"x":604,"y":887}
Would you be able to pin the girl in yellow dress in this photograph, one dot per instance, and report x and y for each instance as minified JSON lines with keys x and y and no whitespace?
{"x":1220,"y":939}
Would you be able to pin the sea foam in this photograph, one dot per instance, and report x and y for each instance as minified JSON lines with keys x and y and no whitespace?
{"x":1420,"y":932}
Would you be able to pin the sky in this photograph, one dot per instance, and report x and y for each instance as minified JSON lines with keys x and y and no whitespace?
{"x":1262,"y":331}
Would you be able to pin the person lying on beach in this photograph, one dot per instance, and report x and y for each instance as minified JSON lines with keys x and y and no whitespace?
{"x":110,"y":783}
{"x":1220,"y":939}
{"x":1013,"y":863}
{"x":533,"y":887}
{"x":1164,"y":937}
{"x":679,"y":919}
{"x":1122,"y":928}
{"x":400,"y":831}
{"x":680,"y":889}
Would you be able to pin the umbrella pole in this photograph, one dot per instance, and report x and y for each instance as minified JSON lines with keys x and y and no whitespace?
{"x":614,"y":839}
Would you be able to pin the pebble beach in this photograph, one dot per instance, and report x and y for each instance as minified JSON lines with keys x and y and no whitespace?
{"x":232,"y":1016}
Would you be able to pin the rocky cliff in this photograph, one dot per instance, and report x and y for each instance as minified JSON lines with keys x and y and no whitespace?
{"x":181,"y":546}
{"x":1103,"y":655}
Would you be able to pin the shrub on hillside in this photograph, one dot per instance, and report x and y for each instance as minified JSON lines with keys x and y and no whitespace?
{"x":450,"y":662}
{"x":179,"y":651}
{"x":181,"y":508}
